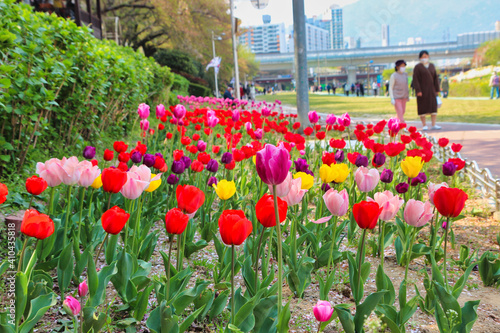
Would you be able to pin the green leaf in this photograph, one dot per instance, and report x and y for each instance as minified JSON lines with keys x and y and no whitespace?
{"x":364,"y":310}
{"x":187,"y":296}
{"x":21,"y":294}
{"x":189,"y":320}
{"x":346,"y":319}
{"x":220,"y":303}
{"x":469,"y":316}
{"x":65,"y":267}
{"x":284,"y":318}
{"x":141,"y":306}
{"x":38,"y":307}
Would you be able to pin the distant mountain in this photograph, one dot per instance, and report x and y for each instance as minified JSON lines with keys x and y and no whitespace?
{"x":428,"y":19}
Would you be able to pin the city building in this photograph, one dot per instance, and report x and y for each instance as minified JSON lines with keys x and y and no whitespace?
{"x":497,"y":26}
{"x":316,"y":37}
{"x":350,"y":43}
{"x":333,"y":23}
{"x":385,"y":35}
{"x":266,"y":38}
{"x":473,"y":38}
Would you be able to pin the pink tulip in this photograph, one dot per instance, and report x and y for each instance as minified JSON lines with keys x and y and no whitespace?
{"x":258,"y":133}
{"x":266,"y":112}
{"x":296,"y":192}
{"x":160,"y":110}
{"x":212,"y":119}
{"x":236,"y":115}
{"x":331,"y":119}
{"x":417,"y":213}
{"x":248,"y":126}
{"x":323,"y":311}
{"x":143,"y":111}
{"x":88,"y":173}
{"x":344,"y":120}
{"x":179,"y":111}
{"x":283,"y":189}
{"x":69,"y":170}
{"x":313,"y":117}
{"x":389,"y":203}
{"x":432,"y":188}
{"x":138,"y":179}
{"x":83,"y":289}
{"x":393,"y":125}
{"x":71,"y":305}
{"x":336,"y":202}
{"x":366,"y":179}
{"x":144,"y":125}
{"x":50,"y":171}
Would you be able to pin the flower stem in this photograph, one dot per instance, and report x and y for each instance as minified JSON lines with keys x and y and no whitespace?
{"x":319,"y":327}
{"x":179,"y":259}
{"x":257,"y":258}
{"x":80,"y":217}
{"x":382,"y":242}
{"x":232,"y":284}
{"x":168,"y":267}
{"x":20,"y":264}
{"x":137,"y":223}
{"x":334,"y":238}
{"x":51,"y":200}
{"x":100,"y":248}
{"x":360,"y":261}
{"x":445,"y":247}
{"x":278,"y":231}
{"x":68,"y":211}
{"x":410,"y":248}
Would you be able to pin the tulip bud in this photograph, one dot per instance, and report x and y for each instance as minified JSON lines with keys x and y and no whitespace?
{"x":212,"y":166}
{"x":449,"y":168}
{"x":71,"y":306}
{"x":339,"y":156}
{"x":83,"y":289}
{"x":212,"y":181}
{"x":89,"y":152}
{"x":136,"y":157}
{"x":361,"y":160}
{"x":402,"y":188}
{"x":148,"y":160}
{"x":386,"y":176}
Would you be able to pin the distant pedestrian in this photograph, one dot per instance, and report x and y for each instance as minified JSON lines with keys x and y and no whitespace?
{"x":426,"y":84}
{"x":334,"y":88}
{"x":252,"y":92}
{"x":445,"y":87}
{"x":375,"y":88}
{"x":387,"y":87}
{"x":228,"y":93}
{"x":353,"y":89}
{"x":362,"y":89}
{"x":398,"y":89}
{"x":494,"y":84}
{"x":328,"y":87}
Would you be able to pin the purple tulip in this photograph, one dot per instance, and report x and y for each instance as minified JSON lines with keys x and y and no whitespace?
{"x":212,"y":181}
{"x":148,"y":160}
{"x":301,"y":165}
{"x":178,"y":167}
{"x":273,"y":164}
{"x":420,"y":179}
{"x":361,"y":160}
{"x":136,"y":157}
{"x":325,"y":187}
{"x":449,"y":168}
{"x":186,"y":160}
{"x":339,"y":156}
{"x":159,"y":155}
{"x":258,"y":133}
{"x":402,"y":188}
{"x":213,"y":166}
{"x":89,"y":152}
{"x":226,"y":158}
{"x":201,"y":146}
{"x":172,"y":179}
{"x":387,"y":176}
{"x":378,"y":159}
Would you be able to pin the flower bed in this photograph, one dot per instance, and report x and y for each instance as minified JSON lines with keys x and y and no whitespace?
{"x":178,"y":231}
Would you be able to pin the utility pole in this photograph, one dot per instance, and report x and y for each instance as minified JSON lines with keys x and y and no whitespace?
{"x":301,"y":78}
{"x":215,"y":69}
{"x":235,"y":52}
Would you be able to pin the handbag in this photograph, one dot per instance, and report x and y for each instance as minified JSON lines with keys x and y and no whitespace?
{"x":439,"y":101}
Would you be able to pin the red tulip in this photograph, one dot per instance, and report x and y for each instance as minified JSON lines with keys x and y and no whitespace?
{"x":450,"y":202}
{"x":265,"y":210}
{"x":169,"y":135}
{"x":234,"y":227}
{"x":443,"y":142}
{"x":366,"y":214}
{"x":113,"y":179}
{"x":189,"y":198}
{"x":35,"y":185}
{"x":456,"y":147}
{"x":459,"y":163}
{"x":176,"y":221}
{"x":113,"y":220}
{"x":37,"y":225}
{"x":178,"y":154}
{"x":108,"y":155}
{"x":4,"y":191}
{"x":197,"y":166}
{"x":94,"y":162}
{"x":308,"y":131}
{"x":394,"y":149}
{"x":120,"y":146}
{"x":124,"y":157}
{"x":320,"y":135}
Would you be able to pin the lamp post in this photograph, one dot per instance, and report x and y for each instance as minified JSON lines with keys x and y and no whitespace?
{"x":215,"y":69}
{"x":301,"y":77}
{"x":235,"y":52}
{"x":368,"y":77}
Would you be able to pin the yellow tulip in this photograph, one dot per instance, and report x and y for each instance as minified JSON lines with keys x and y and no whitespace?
{"x":97,"y":182}
{"x":341,"y":171}
{"x":154,"y":184}
{"x":307,"y":180}
{"x":254,"y":159}
{"x":412,"y":165}
{"x":225,"y":189}
{"x":326,"y":173}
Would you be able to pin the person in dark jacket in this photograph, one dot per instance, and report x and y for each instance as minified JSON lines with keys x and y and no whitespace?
{"x":228,"y":93}
{"x":426,"y":84}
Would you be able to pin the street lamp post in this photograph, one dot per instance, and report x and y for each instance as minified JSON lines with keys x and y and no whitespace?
{"x":235,"y":52}
{"x":215,"y":69}
{"x":368,"y":77}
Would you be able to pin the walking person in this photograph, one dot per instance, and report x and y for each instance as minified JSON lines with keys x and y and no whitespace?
{"x":445,"y":87}
{"x":426,"y":84}
{"x":334,"y":88}
{"x":398,"y":89}
{"x":328,"y":87}
{"x":495,"y":85}
{"x":375,"y":88}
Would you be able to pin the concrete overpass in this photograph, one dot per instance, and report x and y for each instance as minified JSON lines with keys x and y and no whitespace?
{"x":361,"y":56}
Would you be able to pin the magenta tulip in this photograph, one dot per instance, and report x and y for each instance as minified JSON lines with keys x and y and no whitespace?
{"x":272,"y":164}
{"x":160,"y":110}
{"x":313,"y":117}
{"x":72,"y":306}
{"x":83,"y":289}
{"x":143,"y":111}
{"x":179,"y":111}
{"x":417,"y":213}
{"x":323,"y":311}
{"x":366,"y":179}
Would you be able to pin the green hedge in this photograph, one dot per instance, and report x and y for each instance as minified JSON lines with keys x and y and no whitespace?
{"x":478,"y":87}
{"x":198,"y":90}
{"x":60,"y":86}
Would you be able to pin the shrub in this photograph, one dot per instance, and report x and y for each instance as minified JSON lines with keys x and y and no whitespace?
{"x":59,"y":85}
{"x":198,"y":90}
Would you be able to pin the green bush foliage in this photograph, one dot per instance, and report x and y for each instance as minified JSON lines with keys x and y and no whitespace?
{"x":59,"y":85}
{"x":478,"y":87}
{"x":198,"y":90}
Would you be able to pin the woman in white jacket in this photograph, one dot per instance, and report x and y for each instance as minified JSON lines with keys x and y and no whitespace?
{"x":398,"y":89}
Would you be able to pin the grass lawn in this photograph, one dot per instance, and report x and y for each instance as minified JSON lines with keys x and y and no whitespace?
{"x":453,"y":110}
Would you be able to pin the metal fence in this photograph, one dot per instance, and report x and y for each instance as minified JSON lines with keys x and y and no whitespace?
{"x":480,"y":178}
